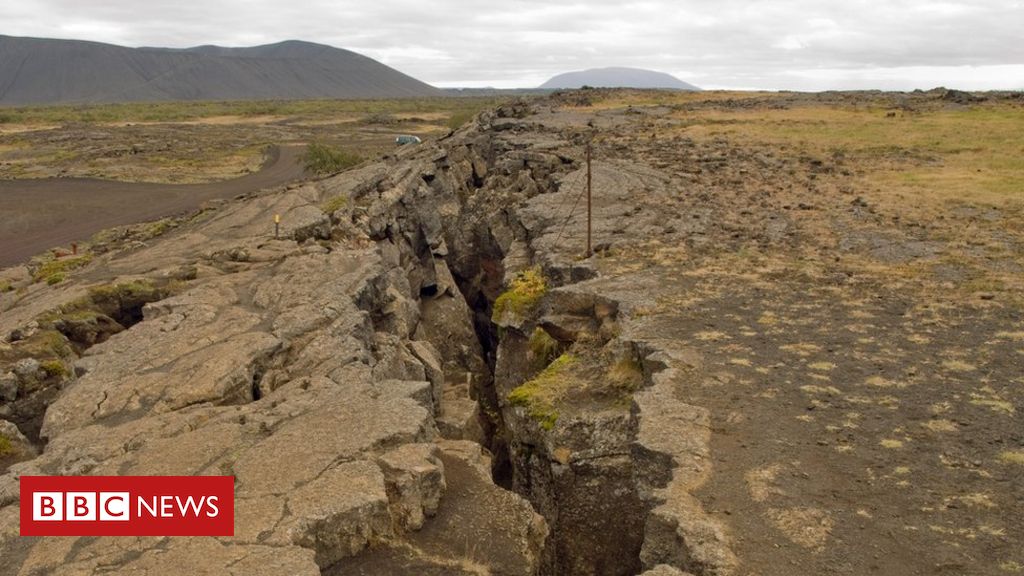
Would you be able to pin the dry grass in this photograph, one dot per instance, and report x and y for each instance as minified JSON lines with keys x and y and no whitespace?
{"x":607,"y":100}
{"x":972,"y":155}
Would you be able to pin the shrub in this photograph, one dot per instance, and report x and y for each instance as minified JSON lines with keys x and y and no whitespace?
{"x":322,"y":159}
{"x":380,"y":118}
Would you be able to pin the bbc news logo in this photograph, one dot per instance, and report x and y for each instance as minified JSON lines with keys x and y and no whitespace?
{"x":127,"y":505}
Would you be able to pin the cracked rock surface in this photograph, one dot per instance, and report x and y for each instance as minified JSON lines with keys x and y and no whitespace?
{"x":434,"y":379}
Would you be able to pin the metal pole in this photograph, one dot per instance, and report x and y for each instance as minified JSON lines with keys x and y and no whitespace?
{"x":589,"y":251}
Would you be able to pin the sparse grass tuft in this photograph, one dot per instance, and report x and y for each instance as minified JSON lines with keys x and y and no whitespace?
{"x":543,"y":347}
{"x":1013,"y":457}
{"x":332,"y":205}
{"x":322,"y":159}
{"x":522,"y":296}
{"x":626,"y":374}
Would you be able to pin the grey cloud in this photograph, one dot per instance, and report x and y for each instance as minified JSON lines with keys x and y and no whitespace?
{"x":799,"y":44}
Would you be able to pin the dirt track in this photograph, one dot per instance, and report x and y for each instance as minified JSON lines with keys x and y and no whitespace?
{"x":36,"y":215}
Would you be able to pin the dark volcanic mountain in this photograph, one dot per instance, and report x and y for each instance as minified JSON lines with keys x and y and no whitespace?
{"x":44,"y":71}
{"x":617,"y":78}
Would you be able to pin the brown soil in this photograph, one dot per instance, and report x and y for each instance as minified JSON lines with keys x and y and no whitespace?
{"x":40,"y":214}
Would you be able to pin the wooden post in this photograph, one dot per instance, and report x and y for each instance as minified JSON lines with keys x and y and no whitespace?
{"x":589,"y":250}
{"x":277,"y":225}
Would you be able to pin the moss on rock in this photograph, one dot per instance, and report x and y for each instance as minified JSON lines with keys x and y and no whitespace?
{"x":521,"y":299}
{"x":540,"y":394}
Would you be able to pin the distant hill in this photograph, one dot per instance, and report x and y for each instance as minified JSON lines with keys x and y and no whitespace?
{"x":45,"y":71}
{"x":616,"y":78}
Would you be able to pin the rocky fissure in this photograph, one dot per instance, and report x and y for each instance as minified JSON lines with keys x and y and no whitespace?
{"x":589,"y":473}
{"x":374,"y":378}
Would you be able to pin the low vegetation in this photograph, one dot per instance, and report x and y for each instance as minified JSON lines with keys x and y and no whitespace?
{"x":212,"y":141}
{"x":115,"y":299}
{"x":54,"y":368}
{"x":626,"y":374}
{"x":48,"y":346}
{"x":543,"y":348}
{"x":971,"y":154}
{"x":332,"y":205}
{"x":6,"y":447}
{"x":54,"y":270}
{"x":523,"y":294}
{"x":191,"y":111}
{"x":540,"y":394}
{"x":460,"y":118}
{"x":322,"y":159}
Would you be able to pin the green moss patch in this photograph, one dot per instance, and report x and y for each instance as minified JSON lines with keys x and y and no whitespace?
{"x":6,"y":446}
{"x":540,"y":394}
{"x":54,"y":270}
{"x":43,"y":344}
{"x":521,"y":299}
{"x":54,"y":368}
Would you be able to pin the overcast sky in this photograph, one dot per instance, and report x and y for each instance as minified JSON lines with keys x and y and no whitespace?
{"x":774,"y":44}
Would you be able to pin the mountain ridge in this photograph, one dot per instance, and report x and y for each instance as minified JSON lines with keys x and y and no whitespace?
{"x":616,"y":77}
{"x":52,"y":71}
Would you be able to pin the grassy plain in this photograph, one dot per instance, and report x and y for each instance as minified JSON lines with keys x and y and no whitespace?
{"x":193,"y":142}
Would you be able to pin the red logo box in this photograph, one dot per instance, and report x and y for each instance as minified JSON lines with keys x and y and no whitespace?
{"x":127,"y":505}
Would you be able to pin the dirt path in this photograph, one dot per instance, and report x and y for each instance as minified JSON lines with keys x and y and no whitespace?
{"x":36,"y":215}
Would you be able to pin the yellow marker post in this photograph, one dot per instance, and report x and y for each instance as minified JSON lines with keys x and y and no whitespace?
{"x":277,"y":224}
